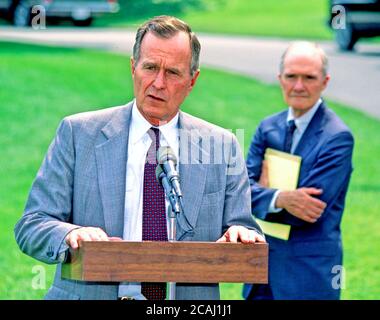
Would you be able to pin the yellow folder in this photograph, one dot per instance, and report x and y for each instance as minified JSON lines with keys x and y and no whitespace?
{"x":283,"y":174}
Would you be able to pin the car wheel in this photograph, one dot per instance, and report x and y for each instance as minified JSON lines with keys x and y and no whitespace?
{"x":22,"y":15}
{"x":83,"y":23}
{"x":346,"y":38}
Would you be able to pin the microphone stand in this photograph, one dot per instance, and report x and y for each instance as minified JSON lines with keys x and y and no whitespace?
{"x":172,"y":238}
{"x":174,"y":210}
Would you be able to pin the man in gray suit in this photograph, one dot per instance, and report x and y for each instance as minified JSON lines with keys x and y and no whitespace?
{"x":91,"y":185}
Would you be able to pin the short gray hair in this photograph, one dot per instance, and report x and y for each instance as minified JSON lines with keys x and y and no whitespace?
{"x":167,"y":27}
{"x":312,"y":45}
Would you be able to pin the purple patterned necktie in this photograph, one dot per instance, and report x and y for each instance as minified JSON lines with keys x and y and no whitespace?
{"x":154,"y":214}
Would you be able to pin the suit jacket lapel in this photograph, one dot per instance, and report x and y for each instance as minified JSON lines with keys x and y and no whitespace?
{"x":310,"y":136}
{"x":111,"y":158}
{"x":190,"y":170}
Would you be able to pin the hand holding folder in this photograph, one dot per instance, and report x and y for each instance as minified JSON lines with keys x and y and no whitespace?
{"x":283,"y":173}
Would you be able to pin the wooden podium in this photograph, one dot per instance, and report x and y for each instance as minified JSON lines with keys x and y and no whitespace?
{"x":190,"y":262}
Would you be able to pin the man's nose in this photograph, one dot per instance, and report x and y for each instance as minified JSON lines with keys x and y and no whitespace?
{"x":298,"y":86}
{"x":160,"y":81}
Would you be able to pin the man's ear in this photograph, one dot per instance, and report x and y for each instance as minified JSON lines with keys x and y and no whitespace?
{"x":326,"y":80}
{"x":194,"y":79}
{"x":133,"y":67}
{"x":280,"y":80}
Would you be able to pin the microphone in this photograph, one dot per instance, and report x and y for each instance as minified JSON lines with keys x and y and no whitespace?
{"x":174,"y":199}
{"x":168,"y":161}
{"x":163,"y":180}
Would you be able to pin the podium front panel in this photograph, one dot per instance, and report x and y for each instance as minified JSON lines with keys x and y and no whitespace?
{"x":152,"y":261}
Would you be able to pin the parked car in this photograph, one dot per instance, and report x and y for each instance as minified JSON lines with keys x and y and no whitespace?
{"x":81,"y":12}
{"x":362,"y":20}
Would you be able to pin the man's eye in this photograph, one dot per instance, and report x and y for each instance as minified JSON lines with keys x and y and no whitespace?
{"x":173,"y":72}
{"x":150,"y":67}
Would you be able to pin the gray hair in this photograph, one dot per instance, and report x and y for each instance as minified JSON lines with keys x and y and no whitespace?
{"x":166,"y":27}
{"x":305,"y":44}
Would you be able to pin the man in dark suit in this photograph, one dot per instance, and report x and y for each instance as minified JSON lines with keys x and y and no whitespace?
{"x":307,"y":265}
{"x":98,"y":178}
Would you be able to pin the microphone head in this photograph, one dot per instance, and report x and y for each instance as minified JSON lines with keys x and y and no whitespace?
{"x":164,"y":154}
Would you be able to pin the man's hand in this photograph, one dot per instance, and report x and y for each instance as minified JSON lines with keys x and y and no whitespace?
{"x":242,"y":234}
{"x":86,"y":234}
{"x":301,"y":203}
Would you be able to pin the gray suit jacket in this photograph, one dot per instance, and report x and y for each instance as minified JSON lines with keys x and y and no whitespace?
{"x":82,"y":183}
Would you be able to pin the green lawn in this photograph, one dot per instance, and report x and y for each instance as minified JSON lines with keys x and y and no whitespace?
{"x":40,"y":85}
{"x":291,"y":18}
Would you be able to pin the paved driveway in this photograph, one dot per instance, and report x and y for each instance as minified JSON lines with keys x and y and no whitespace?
{"x":355,"y":76}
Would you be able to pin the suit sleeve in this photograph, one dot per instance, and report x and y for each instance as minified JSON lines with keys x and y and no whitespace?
{"x":41,"y":231}
{"x":261,"y":197}
{"x":237,"y":209}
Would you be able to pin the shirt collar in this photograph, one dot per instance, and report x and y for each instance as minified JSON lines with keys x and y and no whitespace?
{"x":170,"y":133}
{"x":140,"y":126}
{"x":303,"y":121}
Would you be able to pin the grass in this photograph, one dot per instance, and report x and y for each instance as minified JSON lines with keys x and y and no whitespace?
{"x":40,"y":85}
{"x":291,"y":18}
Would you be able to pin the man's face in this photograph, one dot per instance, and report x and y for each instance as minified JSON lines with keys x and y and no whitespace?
{"x":161,"y":77}
{"x":302,"y":81}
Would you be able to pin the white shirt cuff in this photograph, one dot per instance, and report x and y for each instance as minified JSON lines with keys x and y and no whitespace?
{"x":272,"y":208}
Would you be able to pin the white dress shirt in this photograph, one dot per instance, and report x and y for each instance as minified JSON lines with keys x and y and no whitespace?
{"x":301,"y":125}
{"x":138,"y":144}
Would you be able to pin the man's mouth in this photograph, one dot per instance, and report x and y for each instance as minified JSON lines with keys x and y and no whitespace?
{"x":155,"y":97}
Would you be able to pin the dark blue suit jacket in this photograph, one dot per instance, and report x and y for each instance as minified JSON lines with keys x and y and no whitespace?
{"x":303,"y":266}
